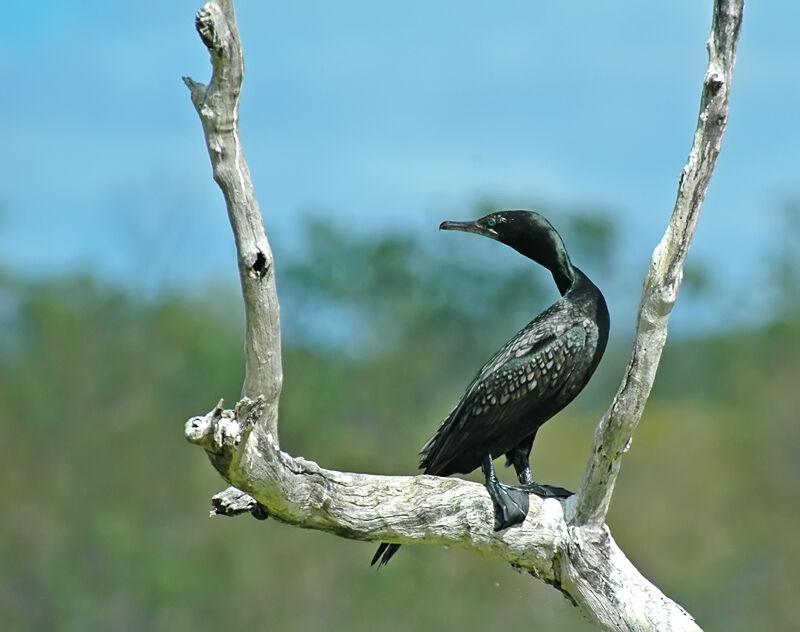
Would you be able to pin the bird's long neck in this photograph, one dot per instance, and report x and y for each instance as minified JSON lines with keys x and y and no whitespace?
{"x":544,"y":245}
{"x":559,"y":264}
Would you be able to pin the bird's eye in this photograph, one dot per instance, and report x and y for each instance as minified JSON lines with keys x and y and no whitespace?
{"x":490,"y":222}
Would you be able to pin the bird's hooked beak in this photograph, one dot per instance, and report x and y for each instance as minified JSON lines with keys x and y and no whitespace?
{"x":466,"y":227}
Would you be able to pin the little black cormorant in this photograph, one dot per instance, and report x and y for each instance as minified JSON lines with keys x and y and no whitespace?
{"x":530,"y":379}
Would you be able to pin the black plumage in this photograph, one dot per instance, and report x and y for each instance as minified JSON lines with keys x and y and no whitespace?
{"x":531,"y":378}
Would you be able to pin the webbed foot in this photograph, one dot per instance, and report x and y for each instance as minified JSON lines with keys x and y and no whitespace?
{"x":510,"y":503}
{"x":543,"y":491}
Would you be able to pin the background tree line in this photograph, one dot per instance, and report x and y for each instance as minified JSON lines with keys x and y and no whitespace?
{"x":104,"y":522}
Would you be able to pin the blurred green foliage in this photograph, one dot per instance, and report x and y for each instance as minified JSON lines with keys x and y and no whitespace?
{"x":104,"y":524}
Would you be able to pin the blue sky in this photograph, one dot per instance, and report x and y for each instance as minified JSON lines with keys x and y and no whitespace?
{"x":383,"y":115}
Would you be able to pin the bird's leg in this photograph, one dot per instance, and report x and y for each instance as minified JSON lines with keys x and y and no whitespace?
{"x":519,"y":457}
{"x":510,"y":503}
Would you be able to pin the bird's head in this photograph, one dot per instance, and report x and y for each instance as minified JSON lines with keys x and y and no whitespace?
{"x":527,"y":232}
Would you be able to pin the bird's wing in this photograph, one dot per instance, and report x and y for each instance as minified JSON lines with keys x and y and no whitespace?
{"x":530,"y":369}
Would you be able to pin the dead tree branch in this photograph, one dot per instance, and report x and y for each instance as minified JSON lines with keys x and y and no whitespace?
{"x":564,"y":543}
{"x":615,"y":431}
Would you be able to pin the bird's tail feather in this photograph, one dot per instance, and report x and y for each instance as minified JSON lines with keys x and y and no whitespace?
{"x":384,"y":554}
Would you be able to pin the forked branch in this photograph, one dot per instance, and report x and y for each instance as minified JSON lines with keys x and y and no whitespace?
{"x":564,"y":543}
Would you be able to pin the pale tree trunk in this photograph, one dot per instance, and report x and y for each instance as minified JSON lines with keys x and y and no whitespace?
{"x":565,"y":543}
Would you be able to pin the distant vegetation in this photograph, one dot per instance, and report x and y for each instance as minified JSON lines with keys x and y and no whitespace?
{"x":104,"y":523}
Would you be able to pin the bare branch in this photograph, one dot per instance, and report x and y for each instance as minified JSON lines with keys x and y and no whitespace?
{"x":218,"y":107}
{"x":564,"y":543}
{"x":584,"y":564}
{"x":232,"y":502}
{"x":615,"y":431}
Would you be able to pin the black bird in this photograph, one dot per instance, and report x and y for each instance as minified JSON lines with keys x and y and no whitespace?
{"x":530,"y":379}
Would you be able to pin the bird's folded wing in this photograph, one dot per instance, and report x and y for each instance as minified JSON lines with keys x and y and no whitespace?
{"x":534,"y":365}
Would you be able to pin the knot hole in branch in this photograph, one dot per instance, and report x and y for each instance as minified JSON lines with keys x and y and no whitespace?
{"x":714,"y":80}
{"x":259,"y":267}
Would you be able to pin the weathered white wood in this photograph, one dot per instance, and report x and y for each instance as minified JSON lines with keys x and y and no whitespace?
{"x":615,"y":431}
{"x":218,"y":107}
{"x":564,"y":543}
{"x":583,"y":562}
{"x":609,"y":589}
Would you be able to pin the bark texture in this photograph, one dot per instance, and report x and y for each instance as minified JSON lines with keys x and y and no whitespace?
{"x":564,"y":543}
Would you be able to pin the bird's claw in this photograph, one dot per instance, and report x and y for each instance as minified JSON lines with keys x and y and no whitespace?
{"x":543,"y":491}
